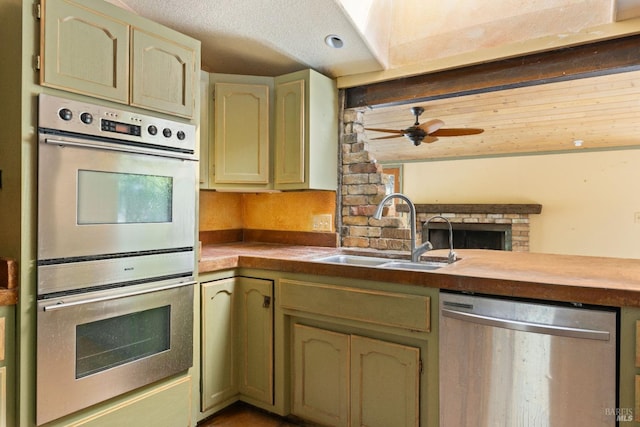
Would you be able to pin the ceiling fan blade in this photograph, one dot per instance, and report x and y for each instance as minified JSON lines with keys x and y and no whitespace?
{"x":386,"y":130}
{"x":456,"y":132}
{"x":431,"y":126}
{"x":429,"y":139}
{"x":386,"y":137}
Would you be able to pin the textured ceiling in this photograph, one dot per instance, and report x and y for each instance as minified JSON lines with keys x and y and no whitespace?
{"x":272,"y":37}
{"x":388,"y":39}
{"x":260,"y":37}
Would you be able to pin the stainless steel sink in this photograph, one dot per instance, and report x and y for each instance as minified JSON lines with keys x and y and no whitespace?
{"x":353,"y":260}
{"x":420,"y":266}
{"x":369,"y":261}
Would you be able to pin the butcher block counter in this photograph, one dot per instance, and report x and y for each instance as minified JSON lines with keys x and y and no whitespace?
{"x":8,"y":282}
{"x":588,"y":280}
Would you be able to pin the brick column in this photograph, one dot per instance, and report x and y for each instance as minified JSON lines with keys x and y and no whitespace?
{"x":363,"y":187}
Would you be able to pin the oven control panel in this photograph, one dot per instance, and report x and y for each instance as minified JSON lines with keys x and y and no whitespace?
{"x":83,"y":119}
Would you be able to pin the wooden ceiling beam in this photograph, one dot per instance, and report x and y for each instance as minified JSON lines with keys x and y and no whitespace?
{"x":593,"y":59}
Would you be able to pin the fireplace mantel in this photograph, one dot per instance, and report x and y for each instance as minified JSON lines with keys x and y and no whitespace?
{"x":474,"y":208}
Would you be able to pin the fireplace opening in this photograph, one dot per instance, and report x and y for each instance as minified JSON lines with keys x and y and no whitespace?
{"x":469,"y":236}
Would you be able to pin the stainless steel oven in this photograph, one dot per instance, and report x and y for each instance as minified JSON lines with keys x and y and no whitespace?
{"x":116,"y":236}
{"x":95,"y":346}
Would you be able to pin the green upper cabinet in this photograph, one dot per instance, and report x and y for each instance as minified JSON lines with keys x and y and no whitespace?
{"x":100,"y":50}
{"x":235,"y":146}
{"x":163,"y":74}
{"x":84,"y":51}
{"x":270,"y":133}
{"x":205,"y":107}
{"x":241,"y":133}
{"x":306,"y":132}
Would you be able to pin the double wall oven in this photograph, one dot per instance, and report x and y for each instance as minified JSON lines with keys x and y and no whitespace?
{"x":116,"y":234}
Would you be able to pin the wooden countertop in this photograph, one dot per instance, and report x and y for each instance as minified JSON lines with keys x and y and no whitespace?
{"x":8,"y":281}
{"x":588,"y":280}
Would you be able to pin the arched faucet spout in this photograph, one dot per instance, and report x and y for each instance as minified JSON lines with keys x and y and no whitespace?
{"x":416,"y":251}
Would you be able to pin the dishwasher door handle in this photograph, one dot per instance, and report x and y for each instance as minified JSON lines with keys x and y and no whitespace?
{"x":518,"y":325}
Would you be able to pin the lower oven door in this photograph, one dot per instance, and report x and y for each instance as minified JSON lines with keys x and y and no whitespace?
{"x":96,"y":346}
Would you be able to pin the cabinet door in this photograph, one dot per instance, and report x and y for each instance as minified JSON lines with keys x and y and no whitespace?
{"x":218,"y":355}
{"x":290,"y":133}
{"x":84,"y":52}
{"x":306,"y":132}
{"x":321,"y":375}
{"x":255,"y":338}
{"x":385,"y":383}
{"x":204,"y":129}
{"x":241,"y":133}
{"x":163,"y":74}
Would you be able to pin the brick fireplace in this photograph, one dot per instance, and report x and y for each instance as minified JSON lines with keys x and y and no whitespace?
{"x":363,"y":186}
{"x":483,"y":224}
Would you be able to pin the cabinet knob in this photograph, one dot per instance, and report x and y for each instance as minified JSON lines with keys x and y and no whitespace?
{"x":266,"y":302}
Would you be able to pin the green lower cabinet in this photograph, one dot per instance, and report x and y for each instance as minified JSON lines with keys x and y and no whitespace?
{"x":218,"y":364}
{"x":237,"y":342}
{"x":321,"y":375}
{"x":166,"y":404}
{"x":350,"y":380}
{"x":7,"y":365}
{"x":385,"y":383}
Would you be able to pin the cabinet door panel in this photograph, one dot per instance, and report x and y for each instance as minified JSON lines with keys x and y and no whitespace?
{"x":255,"y":338}
{"x":162,"y":74}
{"x":84,"y":52}
{"x":290,"y":133}
{"x":241,"y":133}
{"x":384,"y":383}
{"x":218,"y":360}
{"x":321,"y":375}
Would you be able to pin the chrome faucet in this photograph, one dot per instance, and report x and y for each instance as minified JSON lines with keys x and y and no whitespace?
{"x":416,"y":251}
{"x":452,"y":255}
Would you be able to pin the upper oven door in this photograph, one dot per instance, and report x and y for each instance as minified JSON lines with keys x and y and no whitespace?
{"x":96,"y":201}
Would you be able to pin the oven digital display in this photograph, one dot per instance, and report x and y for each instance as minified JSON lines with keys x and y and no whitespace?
{"x":117,"y":127}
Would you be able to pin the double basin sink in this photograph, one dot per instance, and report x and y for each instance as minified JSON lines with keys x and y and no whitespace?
{"x":369,"y":261}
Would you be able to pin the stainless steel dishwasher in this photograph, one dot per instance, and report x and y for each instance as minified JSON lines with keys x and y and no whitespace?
{"x":508,"y":363}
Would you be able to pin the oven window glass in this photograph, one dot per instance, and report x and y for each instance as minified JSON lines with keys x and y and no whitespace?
{"x":123,"y":198}
{"x":118,"y":340}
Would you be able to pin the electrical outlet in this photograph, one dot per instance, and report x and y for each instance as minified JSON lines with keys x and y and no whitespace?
{"x":322,"y":222}
{"x":636,"y":217}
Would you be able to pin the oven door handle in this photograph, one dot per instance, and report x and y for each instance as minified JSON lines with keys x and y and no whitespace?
{"x":60,"y":305}
{"x":124,"y":148}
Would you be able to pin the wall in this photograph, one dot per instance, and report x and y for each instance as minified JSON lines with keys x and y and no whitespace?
{"x":589,"y":199}
{"x":287,"y":211}
{"x":10,"y":148}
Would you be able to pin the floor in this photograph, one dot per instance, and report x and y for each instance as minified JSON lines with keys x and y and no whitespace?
{"x":242,"y":415}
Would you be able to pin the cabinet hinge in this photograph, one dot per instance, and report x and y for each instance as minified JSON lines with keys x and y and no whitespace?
{"x":266,"y":302}
{"x":37,"y":10}
{"x":36,"y":61}
{"x":420,"y":366}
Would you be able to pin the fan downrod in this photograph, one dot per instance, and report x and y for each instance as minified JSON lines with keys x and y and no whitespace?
{"x":417,"y":111}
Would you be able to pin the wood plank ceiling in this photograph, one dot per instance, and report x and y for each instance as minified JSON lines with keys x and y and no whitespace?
{"x":602,"y":111}
{"x":538,"y":103}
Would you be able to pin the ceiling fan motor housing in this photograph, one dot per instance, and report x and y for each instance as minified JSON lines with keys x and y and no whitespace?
{"x":415,"y":135}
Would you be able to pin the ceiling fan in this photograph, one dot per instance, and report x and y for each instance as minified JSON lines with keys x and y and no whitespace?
{"x":426,"y":132}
